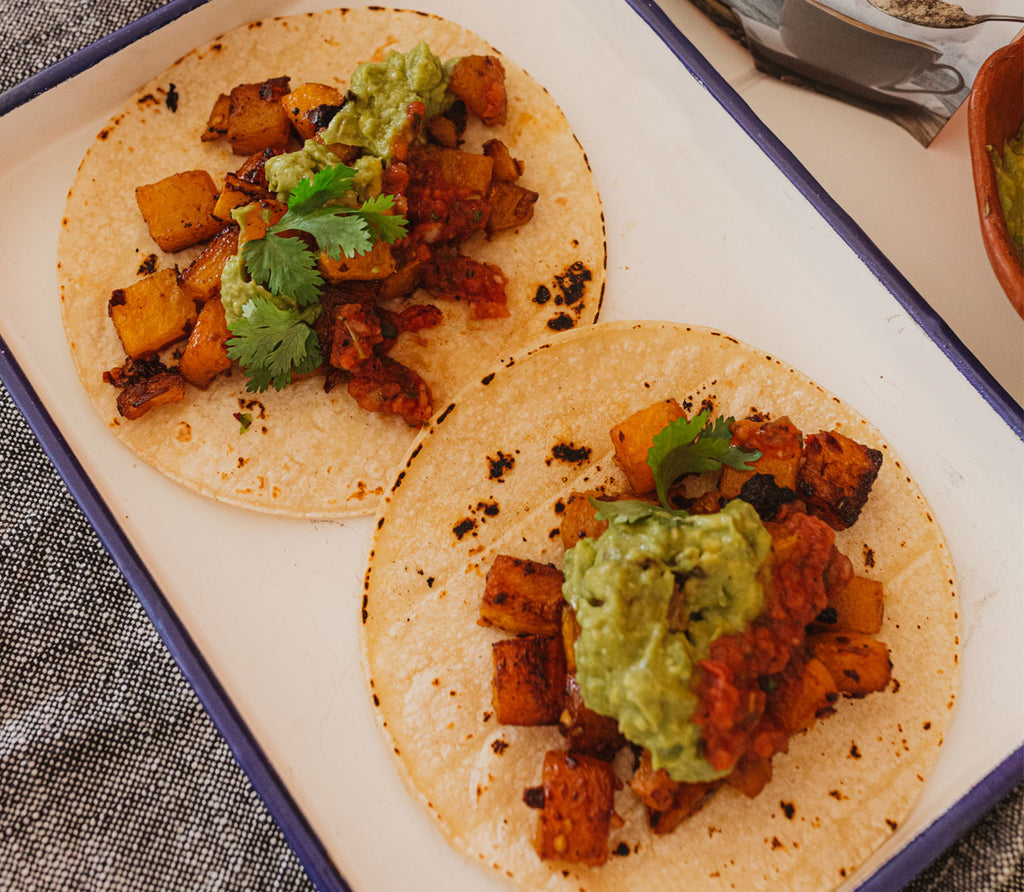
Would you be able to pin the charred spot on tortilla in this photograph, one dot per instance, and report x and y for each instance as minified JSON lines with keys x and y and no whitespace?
{"x":487,"y":379}
{"x":561,"y":322}
{"x":464,"y":527}
{"x":543,"y":295}
{"x":148,"y":266}
{"x":569,"y":453}
{"x":499,"y":464}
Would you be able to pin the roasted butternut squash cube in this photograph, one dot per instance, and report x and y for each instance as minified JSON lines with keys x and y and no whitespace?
{"x":151,"y":313}
{"x":179,"y":209}
{"x":859,"y":664}
{"x":403,"y":281}
{"x":235,"y":193}
{"x":377,"y":263}
{"x":668,"y":802}
{"x":801,"y":694}
{"x":138,"y":398}
{"x":570,"y":632}
{"x":859,"y":606}
{"x":256,"y":118}
{"x":479,"y":81}
{"x":523,"y":597}
{"x":529,"y":680}
{"x":217,"y":123}
{"x":311,"y":106}
{"x":780,"y":443}
{"x":206,"y":353}
{"x":584,"y":730}
{"x":633,"y":438}
{"x":836,"y":477}
{"x":201,"y":279}
{"x":257,"y":217}
{"x":579,"y":802}
{"x":468,"y":170}
{"x":579,"y":520}
{"x":511,"y":206}
{"x":506,"y":168}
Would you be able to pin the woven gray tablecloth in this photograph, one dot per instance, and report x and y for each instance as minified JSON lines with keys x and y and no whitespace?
{"x":111,"y":774}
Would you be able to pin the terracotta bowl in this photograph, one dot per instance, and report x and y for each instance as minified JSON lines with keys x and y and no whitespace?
{"x":995,"y":110}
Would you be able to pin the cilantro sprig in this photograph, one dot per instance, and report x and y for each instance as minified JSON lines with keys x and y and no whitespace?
{"x":270,"y":342}
{"x":693,"y":446}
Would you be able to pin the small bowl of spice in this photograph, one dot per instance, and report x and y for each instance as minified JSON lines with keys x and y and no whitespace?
{"x":995,"y":125}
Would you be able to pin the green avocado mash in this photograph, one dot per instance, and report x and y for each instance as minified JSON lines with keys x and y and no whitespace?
{"x":1009,"y":169}
{"x":285,"y":171}
{"x":383,"y":91}
{"x":650,"y":595}
{"x":236,"y":291}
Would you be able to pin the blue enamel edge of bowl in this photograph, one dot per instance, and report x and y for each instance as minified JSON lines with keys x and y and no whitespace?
{"x":251,"y":758}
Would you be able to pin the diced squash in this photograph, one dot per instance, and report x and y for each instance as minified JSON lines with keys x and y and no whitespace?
{"x":668,"y":802}
{"x":633,"y":438}
{"x":403,"y":281}
{"x":257,"y":119}
{"x":858,"y":607}
{"x":523,"y":597}
{"x":256,"y":218}
{"x":201,"y":279}
{"x":309,"y":107}
{"x":579,"y":802}
{"x":179,"y":209}
{"x":511,"y":206}
{"x":206,"y":353}
{"x":217,"y":123}
{"x":584,"y":730}
{"x":468,"y":170}
{"x":236,"y":193}
{"x":859,"y":664}
{"x":751,"y":774}
{"x":529,"y":680}
{"x":800,"y":696}
{"x":836,"y":477}
{"x":570,"y":632}
{"x":377,"y":263}
{"x":151,"y":313}
{"x":479,"y":81}
{"x":136,"y":399}
{"x":506,"y":168}
{"x":579,"y":521}
{"x":780,"y":443}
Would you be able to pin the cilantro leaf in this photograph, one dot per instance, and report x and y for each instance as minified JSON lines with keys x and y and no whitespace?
{"x":631,"y":510}
{"x":325,"y":185}
{"x":389,"y":227}
{"x":284,"y":265}
{"x":688,"y":446}
{"x":270,"y":343}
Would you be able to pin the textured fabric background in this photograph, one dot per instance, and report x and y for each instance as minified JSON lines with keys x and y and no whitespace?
{"x":111,"y":775}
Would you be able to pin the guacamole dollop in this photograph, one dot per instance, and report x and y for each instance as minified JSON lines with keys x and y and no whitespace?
{"x":650,"y":595}
{"x":236,"y":290}
{"x":1009,"y":168}
{"x":382,"y":92}
{"x":286,"y":170}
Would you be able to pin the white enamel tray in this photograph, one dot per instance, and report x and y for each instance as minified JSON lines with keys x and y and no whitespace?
{"x":710,"y":221}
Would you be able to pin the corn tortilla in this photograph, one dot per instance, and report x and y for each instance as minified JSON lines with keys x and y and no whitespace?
{"x":308,"y":453}
{"x":485,"y":478}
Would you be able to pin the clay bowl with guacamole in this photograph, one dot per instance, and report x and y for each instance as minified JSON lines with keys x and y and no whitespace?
{"x":995,"y":121}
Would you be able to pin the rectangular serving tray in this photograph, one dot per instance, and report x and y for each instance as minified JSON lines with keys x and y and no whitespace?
{"x":711,"y":220}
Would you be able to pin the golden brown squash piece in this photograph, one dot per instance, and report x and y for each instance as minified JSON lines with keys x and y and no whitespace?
{"x":506,"y":168}
{"x":479,"y":81}
{"x":668,"y":802}
{"x":579,"y":804}
{"x":179,"y":209}
{"x":633,"y":437}
{"x":467,"y":170}
{"x":257,"y":119}
{"x":217,"y":123}
{"x":570,"y":632}
{"x":780,"y":443}
{"x":801,"y":694}
{"x":235,"y":193}
{"x":859,"y":664}
{"x":523,"y":597}
{"x":836,"y":477}
{"x":859,"y":606}
{"x":529,"y":680}
{"x":377,"y":263}
{"x":584,"y":730}
{"x":151,"y":313}
{"x":579,"y":520}
{"x":136,"y":399}
{"x":201,"y":279}
{"x":511,"y":206}
{"x":303,"y":107}
{"x":206,"y":353}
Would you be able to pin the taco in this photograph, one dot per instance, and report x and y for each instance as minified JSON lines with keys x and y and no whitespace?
{"x":417,"y":321}
{"x":486,"y":490}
